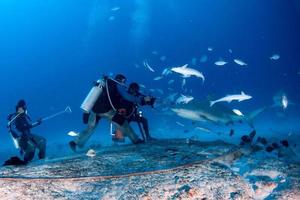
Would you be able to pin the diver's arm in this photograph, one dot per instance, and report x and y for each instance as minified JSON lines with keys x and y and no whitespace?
{"x":37,"y":123}
{"x":129,"y":97}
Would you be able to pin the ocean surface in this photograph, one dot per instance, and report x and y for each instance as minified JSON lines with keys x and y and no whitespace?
{"x":52,"y":51}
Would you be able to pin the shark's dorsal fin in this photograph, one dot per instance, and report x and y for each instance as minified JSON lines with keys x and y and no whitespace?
{"x":185,"y":66}
{"x":242,"y":93}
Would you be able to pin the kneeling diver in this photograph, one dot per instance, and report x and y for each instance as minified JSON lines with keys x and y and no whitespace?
{"x":104,"y":101}
{"x":20,"y":126}
{"x":132,"y":114}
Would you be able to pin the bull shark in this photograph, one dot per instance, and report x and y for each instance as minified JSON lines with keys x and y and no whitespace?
{"x":229,"y":98}
{"x":188,"y":72}
{"x":219,"y":114}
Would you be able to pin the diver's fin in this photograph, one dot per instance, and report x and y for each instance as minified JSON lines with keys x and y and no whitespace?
{"x":14,"y":161}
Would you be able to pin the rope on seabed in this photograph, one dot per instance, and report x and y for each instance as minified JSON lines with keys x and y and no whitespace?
{"x":93,"y":178}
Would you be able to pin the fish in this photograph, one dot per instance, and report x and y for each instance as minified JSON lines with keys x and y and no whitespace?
{"x":200,"y":111}
{"x":203,"y":59}
{"x":220,"y":63}
{"x":240,"y":62}
{"x":203,"y":129}
{"x":180,"y":124}
{"x":184,"y":99}
{"x":157,"y":78}
{"x":188,"y":72}
{"x":115,"y":8}
{"x":210,"y":49}
{"x":166,"y":72}
{"x":284,"y":102}
{"x":275,"y":57}
{"x":163,"y":58}
{"x":72,"y":134}
{"x":170,"y":81}
{"x":142,"y":86}
{"x":239,"y":113}
{"x":91,"y":153}
{"x":183,"y":83}
{"x":229,"y":98}
{"x":148,"y":66}
{"x":280,"y":100}
{"x":230,"y":50}
{"x":111,"y":18}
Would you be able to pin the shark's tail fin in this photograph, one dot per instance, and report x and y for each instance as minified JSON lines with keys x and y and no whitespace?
{"x":211,"y":103}
{"x":253,"y":115}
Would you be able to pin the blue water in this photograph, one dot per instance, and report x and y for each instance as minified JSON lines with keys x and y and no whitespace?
{"x":51,"y":52}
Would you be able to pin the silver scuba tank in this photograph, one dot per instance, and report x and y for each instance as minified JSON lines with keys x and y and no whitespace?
{"x":92,"y":97}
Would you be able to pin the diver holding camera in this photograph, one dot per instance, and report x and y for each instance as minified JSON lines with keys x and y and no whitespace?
{"x":136,"y":115}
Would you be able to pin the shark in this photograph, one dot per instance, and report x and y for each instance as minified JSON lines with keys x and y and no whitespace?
{"x":201,"y":111}
{"x":229,"y":98}
{"x":186,"y":72}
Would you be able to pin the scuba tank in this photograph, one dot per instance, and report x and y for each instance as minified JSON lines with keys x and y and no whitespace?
{"x":92,"y":97}
{"x":12,"y":118}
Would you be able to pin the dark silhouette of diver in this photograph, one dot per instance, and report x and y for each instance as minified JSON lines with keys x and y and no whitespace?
{"x":132,"y":114}
{"x":20,"y":126}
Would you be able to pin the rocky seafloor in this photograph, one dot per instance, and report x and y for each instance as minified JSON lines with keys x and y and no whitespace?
{"x":164,"y":169}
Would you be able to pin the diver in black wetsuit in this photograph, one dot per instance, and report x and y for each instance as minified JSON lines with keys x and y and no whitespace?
{"x":133,"y":113}
{"x":20,"y":126}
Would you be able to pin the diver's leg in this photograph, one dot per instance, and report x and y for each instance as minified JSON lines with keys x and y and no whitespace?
{"x":39,"y":143}
{"x":87,"y":132}
{"x":144,"y":122}
{"x":129,"y":132}
{"x":125,"y":127}
{"x":29,"y":151}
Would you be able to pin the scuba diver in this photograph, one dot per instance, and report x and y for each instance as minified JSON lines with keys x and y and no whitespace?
{"x":133,"y":114}
{"x":104,"y":100}
{"x":19,"y":127}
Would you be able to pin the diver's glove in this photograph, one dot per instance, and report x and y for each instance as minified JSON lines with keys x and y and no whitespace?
{"x":148,"y":100}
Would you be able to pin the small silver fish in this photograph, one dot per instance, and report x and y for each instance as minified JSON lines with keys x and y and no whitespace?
{"x":220,"y":63}
{"x":237,"y":112}
{"x":180,"y":124}
{"x":163,"y":58}
{"x":240,"y":62}
{"x":111,"y":18}
{"x":72,"y":134}
{"x":170,"y":81}
{"x":275,"y":57}
{"x":157,"y":78}
{"x":284,"y":102}
{"x":148,"y":66}
{"x":115,"y":8}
